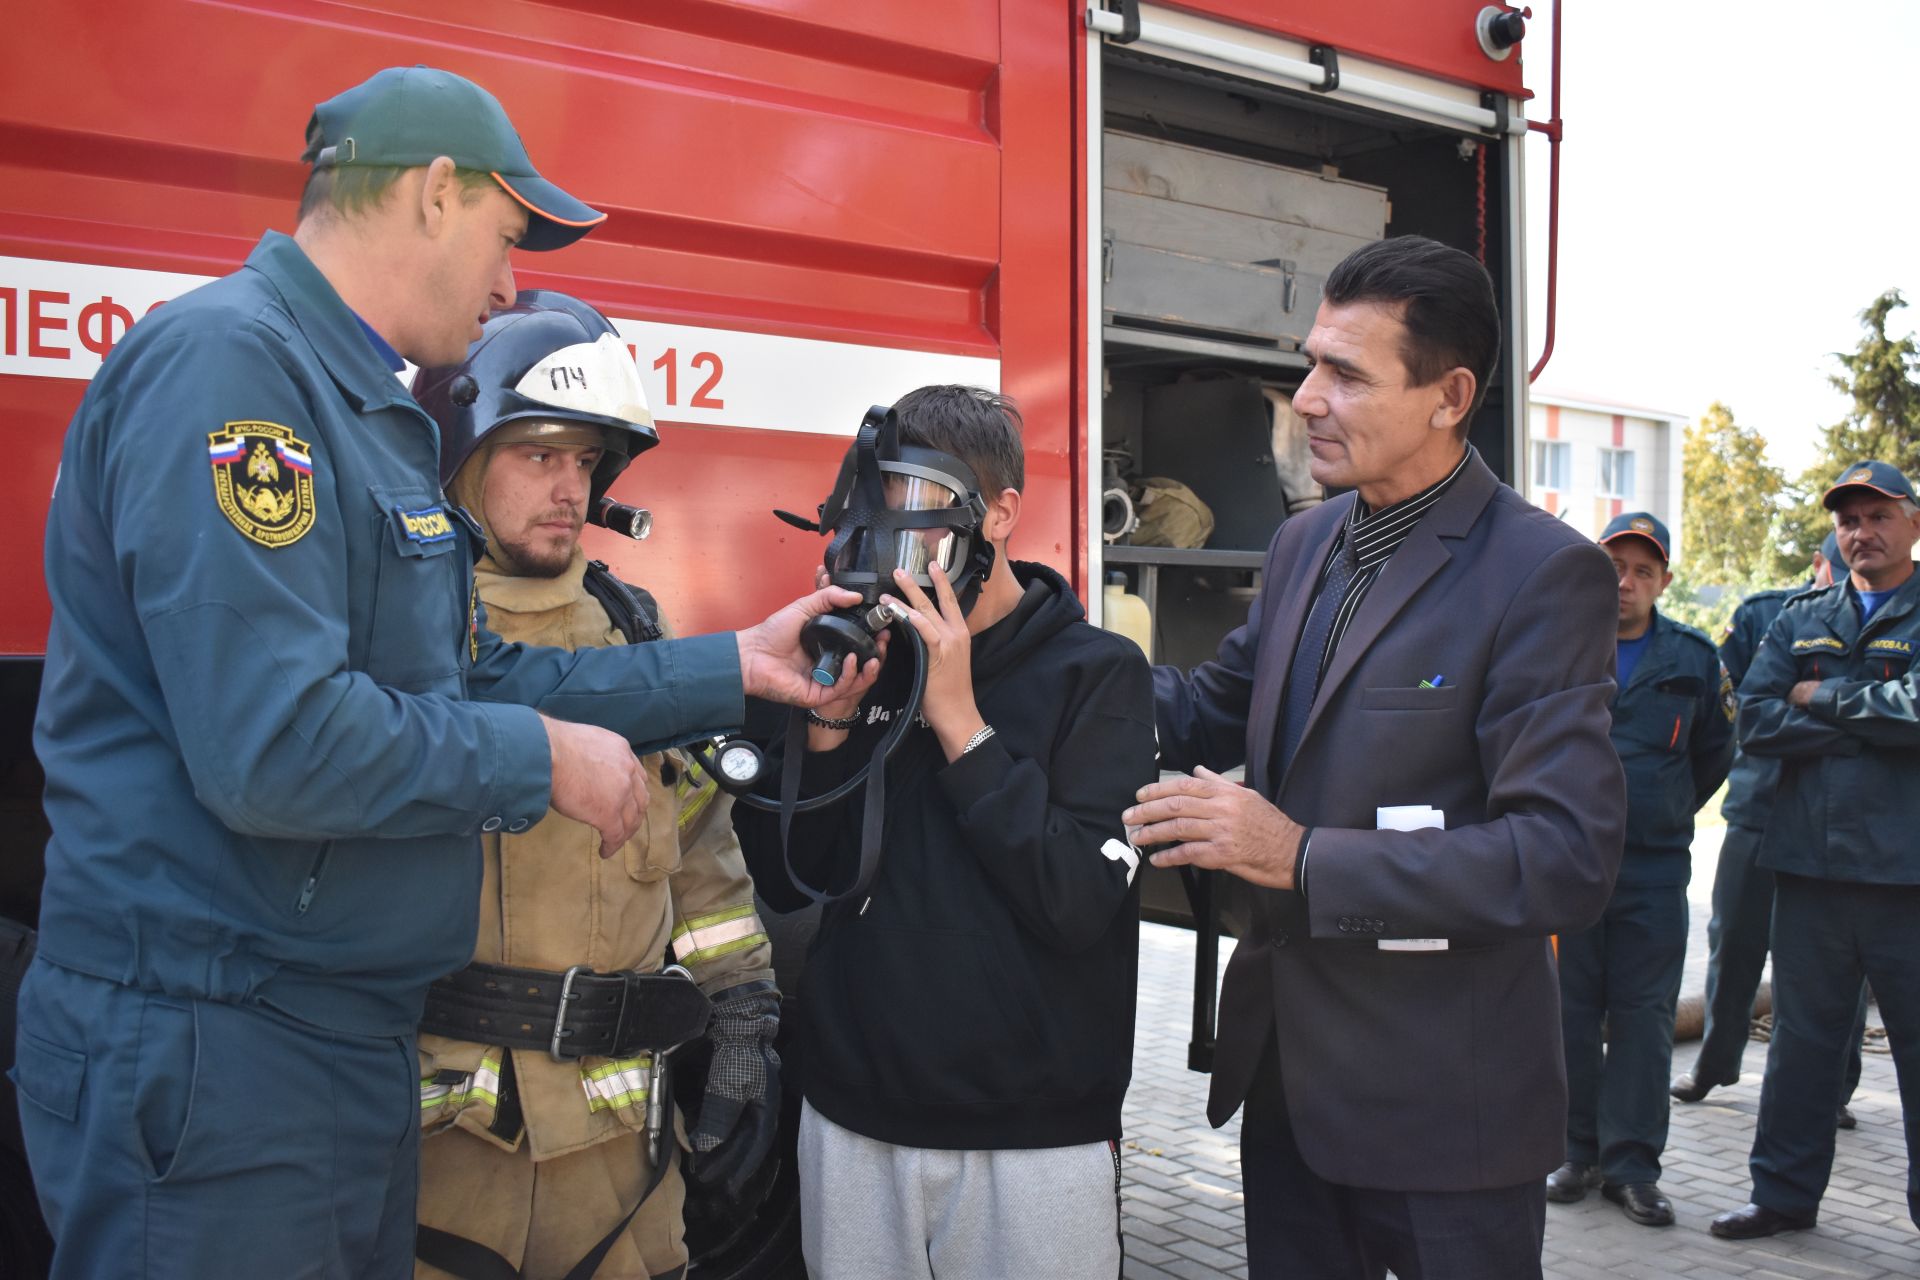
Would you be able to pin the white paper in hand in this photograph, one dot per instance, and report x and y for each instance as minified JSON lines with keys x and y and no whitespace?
{"x":1410,"y":817}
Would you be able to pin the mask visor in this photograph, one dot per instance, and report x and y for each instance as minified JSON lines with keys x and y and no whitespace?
{"x":916,"y":550}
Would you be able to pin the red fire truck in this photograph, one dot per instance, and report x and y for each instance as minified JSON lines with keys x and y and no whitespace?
{"x":1120,"y":214}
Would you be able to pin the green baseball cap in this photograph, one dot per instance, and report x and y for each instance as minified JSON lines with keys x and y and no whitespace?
{"x":410,"y":116}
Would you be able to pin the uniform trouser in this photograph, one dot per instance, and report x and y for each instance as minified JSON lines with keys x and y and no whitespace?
{"x":1300,"y":1225}
{"x":1827,"y":936}
{"x":871,"y":1210}
{"x":1736,"y":957}
{"x":1624,"y":970}
{"x":543,"y":1217}
{"x":178,"y":1137}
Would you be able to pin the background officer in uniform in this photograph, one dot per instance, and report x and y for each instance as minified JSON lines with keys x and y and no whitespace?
{"x":1832,"y":695}
{"x":1742,"y":889}
{"x":273,"y":720}
{"x":1673,"y":728}
{"x":536,"y":1158}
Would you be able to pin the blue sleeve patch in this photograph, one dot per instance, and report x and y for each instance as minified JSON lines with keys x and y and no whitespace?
{"x":1891,"y":644}
{"x":426,"y":525}
{"x":1815,"y":644}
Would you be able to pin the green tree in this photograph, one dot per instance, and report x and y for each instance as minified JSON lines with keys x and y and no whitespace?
{"x":1881,"y":377}
{"x":1801,"y":524}
{"x":1726,"y":527}
{"x":1708,"y":606}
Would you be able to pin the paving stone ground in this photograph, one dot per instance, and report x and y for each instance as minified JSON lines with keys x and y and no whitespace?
{"x":1181,"y":1199}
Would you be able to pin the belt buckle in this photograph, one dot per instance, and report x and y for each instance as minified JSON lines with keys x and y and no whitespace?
{"x":560,"y":1012}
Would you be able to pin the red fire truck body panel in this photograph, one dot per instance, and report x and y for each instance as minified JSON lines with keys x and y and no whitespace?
{"x":793,"y":186}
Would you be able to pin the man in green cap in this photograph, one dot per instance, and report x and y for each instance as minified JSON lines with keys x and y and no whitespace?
{"x":274,"y":721}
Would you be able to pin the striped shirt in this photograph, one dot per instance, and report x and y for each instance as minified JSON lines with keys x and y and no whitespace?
{"x":1376,"y":535}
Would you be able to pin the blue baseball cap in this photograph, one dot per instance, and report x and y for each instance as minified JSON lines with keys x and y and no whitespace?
{"x":406,"y":117}
{"x":1830,"y":551}
{"x":1882,"y":478}
{"x":1639,"y":524}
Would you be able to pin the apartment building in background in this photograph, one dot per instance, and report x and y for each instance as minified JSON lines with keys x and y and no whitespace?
{"x":1590,"y":459}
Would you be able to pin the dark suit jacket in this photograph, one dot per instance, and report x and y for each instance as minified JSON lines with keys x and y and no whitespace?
{"x":1433,"y":1070}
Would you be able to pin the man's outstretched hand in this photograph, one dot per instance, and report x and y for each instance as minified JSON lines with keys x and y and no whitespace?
{"x":774,"y":666}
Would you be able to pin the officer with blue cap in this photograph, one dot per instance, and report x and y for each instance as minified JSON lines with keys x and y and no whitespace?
{"x":1832,"y":695}
{"x":1742,"y":889}
{"x":1673,"y":729}
{"x":274,"y":721}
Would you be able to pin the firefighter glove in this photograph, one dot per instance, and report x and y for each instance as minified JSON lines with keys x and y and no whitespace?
{"x":740,"y":1113}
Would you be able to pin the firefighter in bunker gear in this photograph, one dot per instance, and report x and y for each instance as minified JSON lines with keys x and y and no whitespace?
{"x":533,"y":1155}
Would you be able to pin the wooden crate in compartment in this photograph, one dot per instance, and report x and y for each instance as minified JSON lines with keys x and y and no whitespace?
{"x":1199,"y":240}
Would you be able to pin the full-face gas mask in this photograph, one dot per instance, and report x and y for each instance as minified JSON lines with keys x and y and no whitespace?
{"x":893,"y":506}
{"x":902,"y":506}
{"x":548,"y":367}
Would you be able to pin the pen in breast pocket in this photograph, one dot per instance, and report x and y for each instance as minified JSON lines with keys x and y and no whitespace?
{"x":1434,"y":683}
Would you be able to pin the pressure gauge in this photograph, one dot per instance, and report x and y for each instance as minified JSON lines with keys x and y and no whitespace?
{"x":740,"y":763}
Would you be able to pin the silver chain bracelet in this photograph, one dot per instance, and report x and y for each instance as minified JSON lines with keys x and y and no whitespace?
{"x":986,"y":731}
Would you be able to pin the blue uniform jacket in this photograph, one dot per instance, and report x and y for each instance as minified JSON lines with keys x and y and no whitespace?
{"x":1751,"y":781}
{"x":272,"y":718}
{"x":1847,"y":804}
{"x":1673,"y":728}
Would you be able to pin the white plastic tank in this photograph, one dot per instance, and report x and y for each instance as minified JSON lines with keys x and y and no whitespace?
{"x":1126,"y":613}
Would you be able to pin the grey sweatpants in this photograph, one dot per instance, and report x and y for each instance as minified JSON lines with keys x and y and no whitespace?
{"x":873,"y":1211}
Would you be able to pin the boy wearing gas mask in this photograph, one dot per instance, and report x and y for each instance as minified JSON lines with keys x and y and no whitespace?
{"x":550,"y":1137}
{"x":967,"y":1026}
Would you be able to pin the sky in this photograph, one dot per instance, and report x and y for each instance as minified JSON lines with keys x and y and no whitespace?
{"x":1738,"y":182}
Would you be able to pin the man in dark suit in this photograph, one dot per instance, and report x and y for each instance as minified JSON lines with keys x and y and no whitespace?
{"x":1426,"y":652}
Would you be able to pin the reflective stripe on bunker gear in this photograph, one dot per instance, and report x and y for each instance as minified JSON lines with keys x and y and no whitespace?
{"x":695,"y":792}
{"x":447,"y":1088}
{"x":704,"y":939}
{"x":617,"y":1084}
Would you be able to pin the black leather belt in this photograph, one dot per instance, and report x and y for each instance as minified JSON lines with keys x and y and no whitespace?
{"x":575,"y":1014}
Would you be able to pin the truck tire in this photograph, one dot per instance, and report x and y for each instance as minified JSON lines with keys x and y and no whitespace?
{"x":26,"y":1250}
{"x":755,"y":1236}
{"x":758,"y":1236}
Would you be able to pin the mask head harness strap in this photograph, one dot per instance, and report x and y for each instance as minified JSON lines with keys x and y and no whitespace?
{"x":865,"y":547}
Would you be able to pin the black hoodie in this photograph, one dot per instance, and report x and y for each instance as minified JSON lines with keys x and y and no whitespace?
{"x":980,"y":995}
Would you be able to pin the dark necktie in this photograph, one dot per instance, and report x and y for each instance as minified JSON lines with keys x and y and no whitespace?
{"x":1303,"y":681}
